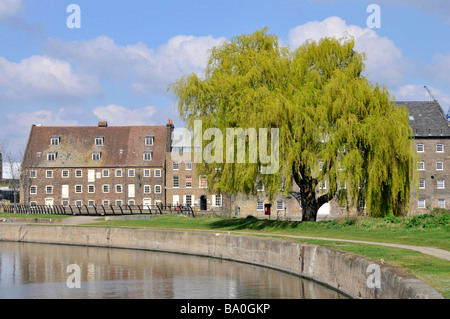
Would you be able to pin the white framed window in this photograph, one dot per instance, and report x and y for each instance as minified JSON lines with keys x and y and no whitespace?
{"x":78,"y":189}
{"x":421,"y":183}
{"x":65,"y":191}
{"x":323,"y":185}
{"x":422,"y":204}
{"x":96,"y":156}
{"x":440,"y":148}
{"x":147,"y":173}
{"x":149,"y":140}
{"x":33,"y":190}
{"x":105,"y":189}
{"x":131,"y":190}
{"x":131,"y":173}
{"x":118,"y":173}
{"x":158,"y":189}
{"x":176,"y":182}
{"x":280,"y":205}
{"x":188,"y":181}
{"x":78,"y":203}
{"x":148,"y":155}
{"x":440,"y":183}
{"x":421,"y":166}
{"x":119,"y":188}
{"x":218,"y":200}
{"x":260,"y":187}
{"x":119,"y":202}
{"x":439,"y":166}
{"x":91,"y":189}
{"x":65,"y":174}
{"x":91,"y":202}
{"x":49,"y":189}
{"x":105,"y":202}
{"x":65,"y":203}
{"x":189,"y":200}
{"x":131,"y":202}
{"x":78,"y":173}
{"x":33,"y":174}
{"x":33,"y":204}
{"x":55,"y":141}
{"x":105,"y":173}
{"x":420,"y":148}
{"x":147,"y":189}
{"x":51,"y":157}
{"x":203,"y":182}
{"x":99,"y":141}
{"x":49,"y":174}
{"x":260,"y":205}
{"x":188,"y":165}
{"x":175,"y":165}
{"x":91,"y":175}
{"x":158,"y":173}
{"x":441,"y":203}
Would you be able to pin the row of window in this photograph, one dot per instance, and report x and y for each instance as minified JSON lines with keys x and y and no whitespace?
{"x":439,"y":166}
{"x":105,"y":173}
{"x":279,"y":205}
{"x":176,"y":165}
{"x":422,"y":203}
{"x":440,"y":183}
{"x":106,"y":189}
{"x":100,"y":140}
{"x":106,"y":202}
{"x":97,"y":156}
{"x":188,"y":182}
{"x":439,"y":148}
{"x":189,"y":200}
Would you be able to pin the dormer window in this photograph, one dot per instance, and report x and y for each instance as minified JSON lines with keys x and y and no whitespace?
{"x":99,"y":141}
{"x":51,"y":157}
{"x":55,"y":140}
{"x":96,"y":156}
{"x":148,"y":155}
{"x":149,"y":140}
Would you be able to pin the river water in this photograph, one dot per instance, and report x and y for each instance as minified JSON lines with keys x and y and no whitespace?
{"x":39,"y":271}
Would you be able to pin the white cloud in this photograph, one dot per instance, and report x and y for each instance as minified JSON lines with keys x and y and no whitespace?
{"x":385,"y":63}
{"x":42,"y":77}
{"x":119,"y":115}
{"x":148,"y":70}
{"x":9,"y":8}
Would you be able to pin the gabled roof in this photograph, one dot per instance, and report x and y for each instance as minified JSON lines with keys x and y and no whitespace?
{"x":426,"y":118}
{"x":123,"y":146}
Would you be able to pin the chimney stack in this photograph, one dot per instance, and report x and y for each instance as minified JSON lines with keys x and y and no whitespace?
{"x":102,"y":124}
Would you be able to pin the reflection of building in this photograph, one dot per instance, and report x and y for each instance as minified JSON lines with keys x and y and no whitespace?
{"x":96,"y":165}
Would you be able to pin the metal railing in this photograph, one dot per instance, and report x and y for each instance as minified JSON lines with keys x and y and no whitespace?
{"x":97,"y":210}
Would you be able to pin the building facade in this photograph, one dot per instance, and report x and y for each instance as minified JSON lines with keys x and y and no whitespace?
{"x":97,"y":165}
{"x":431,"y":139}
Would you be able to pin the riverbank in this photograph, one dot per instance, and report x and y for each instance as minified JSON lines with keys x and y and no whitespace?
{"x":350,"y":274}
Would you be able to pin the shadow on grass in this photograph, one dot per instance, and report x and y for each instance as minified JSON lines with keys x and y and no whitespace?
{"x":252,"y":223}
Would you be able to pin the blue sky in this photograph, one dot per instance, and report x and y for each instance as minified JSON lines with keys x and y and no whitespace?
{"x":117,"y":66}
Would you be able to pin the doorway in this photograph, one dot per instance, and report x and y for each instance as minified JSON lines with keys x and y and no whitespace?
{"x":203,"y":203}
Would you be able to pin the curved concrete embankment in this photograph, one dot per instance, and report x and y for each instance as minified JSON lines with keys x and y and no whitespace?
{"x":345,"y":272}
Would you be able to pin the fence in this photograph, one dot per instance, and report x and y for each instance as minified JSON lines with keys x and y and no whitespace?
{"x":99,"y":210}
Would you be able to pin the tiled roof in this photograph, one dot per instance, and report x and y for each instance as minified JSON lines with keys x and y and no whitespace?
{"x":123,"y":146}
{"x":427,"y":118}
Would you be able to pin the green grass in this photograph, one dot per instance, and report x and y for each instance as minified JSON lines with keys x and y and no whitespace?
{"x":8,"y":215}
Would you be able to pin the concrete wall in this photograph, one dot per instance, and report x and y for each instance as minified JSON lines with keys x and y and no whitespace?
{"x":342,"y":271}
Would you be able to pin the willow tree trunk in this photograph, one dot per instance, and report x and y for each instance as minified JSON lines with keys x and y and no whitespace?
{"x":307,"y":196}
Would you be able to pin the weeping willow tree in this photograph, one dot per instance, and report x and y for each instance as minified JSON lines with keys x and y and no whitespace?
{"x":333,"y":125}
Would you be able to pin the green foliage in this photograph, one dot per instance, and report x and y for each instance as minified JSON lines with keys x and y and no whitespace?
{"x":325,"y":110}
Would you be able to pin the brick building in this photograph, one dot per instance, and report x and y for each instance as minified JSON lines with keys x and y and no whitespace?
{"x":431,"y":133}
{"x":94,"y":165}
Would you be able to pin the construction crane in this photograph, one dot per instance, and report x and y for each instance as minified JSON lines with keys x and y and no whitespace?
{"x":434,"y":99}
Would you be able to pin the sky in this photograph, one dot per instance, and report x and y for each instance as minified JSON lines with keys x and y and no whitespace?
{"x":113,"y":60}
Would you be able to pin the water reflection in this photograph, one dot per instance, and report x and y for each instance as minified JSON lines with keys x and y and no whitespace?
{"x":40,"y":271}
